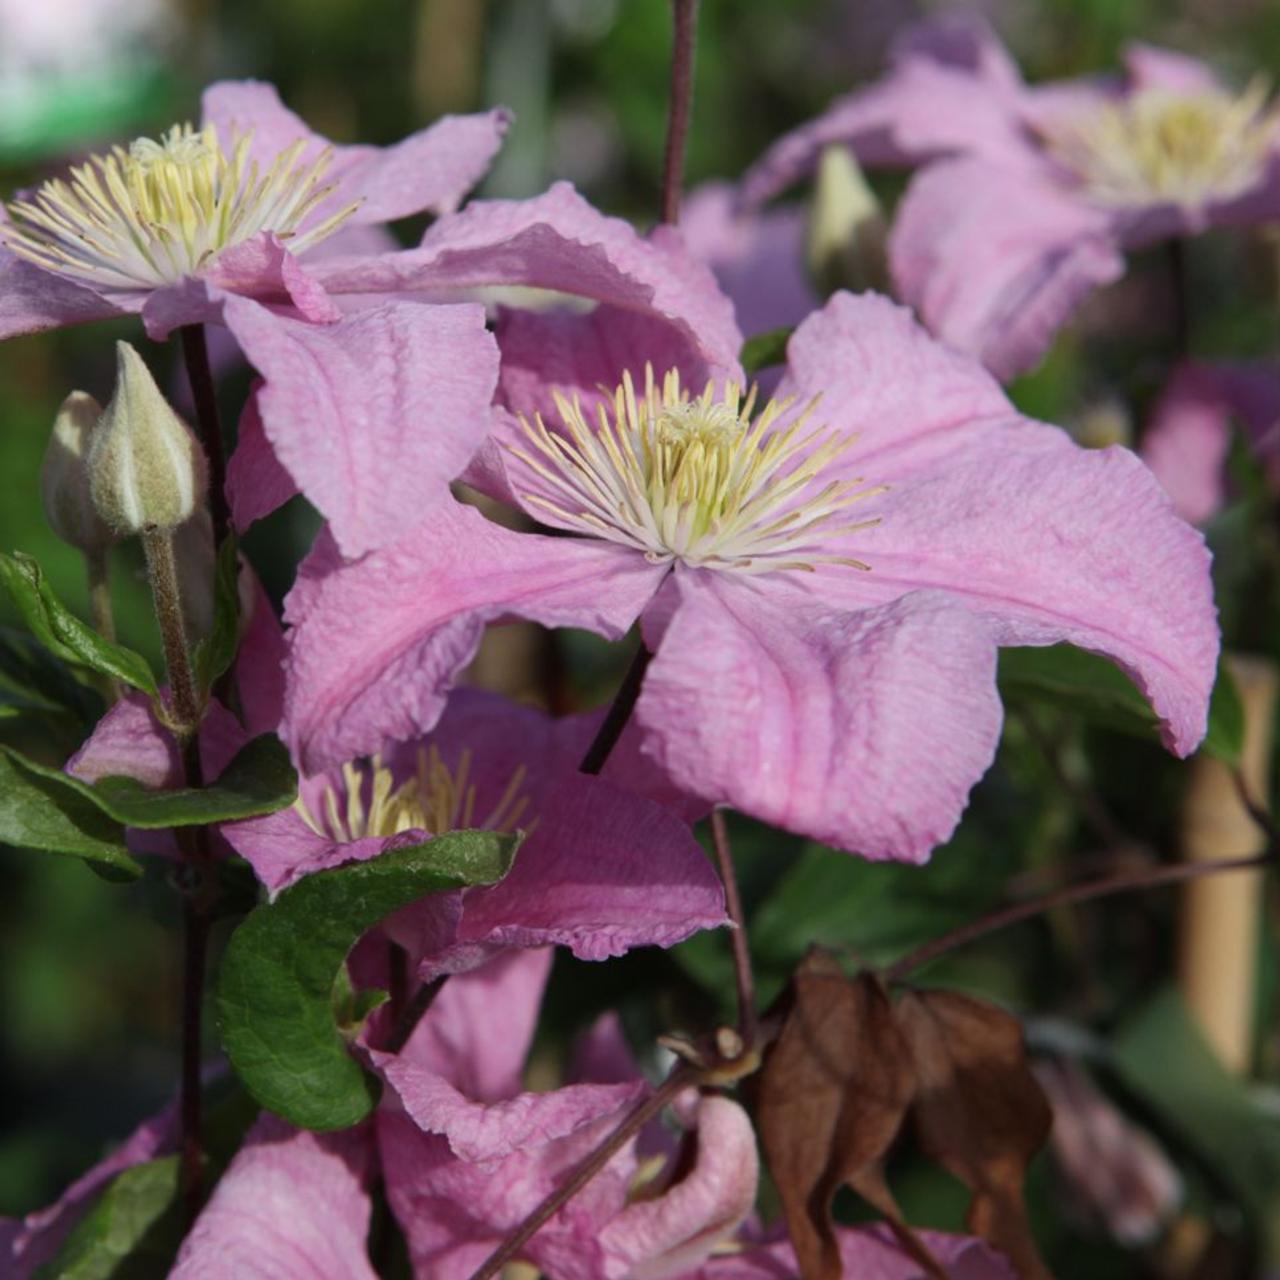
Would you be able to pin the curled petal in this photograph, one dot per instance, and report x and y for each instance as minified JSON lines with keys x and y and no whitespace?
{"x":995,"y":261}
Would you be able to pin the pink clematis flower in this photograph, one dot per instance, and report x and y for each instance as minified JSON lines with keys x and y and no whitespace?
{"x":823,"y":588}
{"x":1189,"y":436}
{"x":171,"y":227}
{"x":602,"y":869}
{"x":467,"y":1155}
{"x":1030,"y":196}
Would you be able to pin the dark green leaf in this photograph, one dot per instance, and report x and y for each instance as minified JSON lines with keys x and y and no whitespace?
{"x":1225,"y":738}
{"x":41,"y":808}
{"x":132,"y":1233}
{"x":765,"y":349}
{"x":62,"y":633}
{"x":1094,"y":688}
{"x":33,"y":682}
{"x":275,"y":996}
{"x":216,"y":652}
{"x":1163,"y":1059}
{"x":259,"y":780}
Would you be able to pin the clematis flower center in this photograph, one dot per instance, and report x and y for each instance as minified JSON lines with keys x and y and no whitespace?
{"x":1157,"y":145}
{"x":435,"y":799}
{"x":696,"y":480}
{"x":156,"y":211}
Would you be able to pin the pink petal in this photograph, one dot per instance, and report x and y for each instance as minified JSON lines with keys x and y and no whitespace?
{"x":429,"y":171}
{"x":603,"y":872}
{"x":666,"y":1236}
{"x":260,"y":662}
{"x":1150,"y":67}
{"x":33,"y":300}
{"x":864,"y":730}
{"x":995,"y":261}
{"x":758,"y":258}
{"x":374,"y":415}
{"x":28,"y":1243}
{"x":292,"y":1205}
{"x":260,"y":268}
{"x":376,"y":645}
{"x":557,"y":241}
{"x":951,"y":88}
{"x":1189,"y":436}
{"x":257,"y":482}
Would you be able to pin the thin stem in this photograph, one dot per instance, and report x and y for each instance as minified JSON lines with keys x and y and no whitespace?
{"x":681,"y":1078}
{"x":195,"y":352}
{"x":1066,"y":896}
{"x":408,"y":1017}
{"x":162,"y":569}
{"x":685,"y":17}
{"x":624,"y":703}
{"x":748,"y":1025}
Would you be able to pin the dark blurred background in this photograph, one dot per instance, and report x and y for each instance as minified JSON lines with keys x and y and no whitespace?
{"x":88,"y":980}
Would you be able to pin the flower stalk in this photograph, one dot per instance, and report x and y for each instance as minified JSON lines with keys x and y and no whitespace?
{"x":685,"y":15}
{"x":624,"y":703}
{"x":195,"y":354}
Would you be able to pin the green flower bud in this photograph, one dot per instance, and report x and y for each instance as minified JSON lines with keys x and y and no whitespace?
{"x":845,"y":246}
{"x":146,"y":470}
{"x":64,"y":478}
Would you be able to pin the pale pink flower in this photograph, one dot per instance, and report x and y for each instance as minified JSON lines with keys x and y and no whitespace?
{"x":1187,"y":441}
{"x":1030,"y":196}
{"x":824,"y":593}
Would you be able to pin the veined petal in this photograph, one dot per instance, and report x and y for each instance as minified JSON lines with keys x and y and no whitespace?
{"x":377,"y":644}
{"x":1051,"y":542}
{"x":33,"y":300}
{"x":257,"y":482}
{"x":428,"y":171}
{"x":292,"y":1205}
{"x":865,"y":730}
{"x":558,"y":242}
{"x":603,"y":871}
{"x":374,"y":415}
{"x":995,"y":261}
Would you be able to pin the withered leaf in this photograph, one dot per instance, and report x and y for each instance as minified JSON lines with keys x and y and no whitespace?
{"x":832,"y":1095}
{"x":978,"y":1111}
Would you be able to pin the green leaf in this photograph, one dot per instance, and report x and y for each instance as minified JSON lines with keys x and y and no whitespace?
{"x":275,"y":996}
{"x":132,"y":1233}
{"x":1094,"y":688}
{"x":41,"y":808}
{"x":1225,"y":738}
{"x":62,"y":633}
{"x":1162,"y":1058}
{"x":259,"y":780}
{"x":216,"y":652}
{"x":765,"y":349}
{"x":33,"y":682}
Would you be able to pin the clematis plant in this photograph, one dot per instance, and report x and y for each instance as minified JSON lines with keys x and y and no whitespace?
{"x":1029,"y":197}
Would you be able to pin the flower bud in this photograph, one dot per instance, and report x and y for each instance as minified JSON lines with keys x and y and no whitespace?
{"x":146,"y":470}
{"x":845,"y":246}
{"x":64,"y":477}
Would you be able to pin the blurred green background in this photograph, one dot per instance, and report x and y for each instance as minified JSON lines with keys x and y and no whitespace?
{"x":88,"y":971}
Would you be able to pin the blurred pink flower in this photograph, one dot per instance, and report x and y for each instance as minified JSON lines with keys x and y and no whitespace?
{"x":1030,"y":196}
{"x":1189,"y":436}
{"x":824,"y":602}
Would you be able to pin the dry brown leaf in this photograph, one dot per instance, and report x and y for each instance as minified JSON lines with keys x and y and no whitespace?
{"x":831,"y":1097}
{"x":979,"y":1111}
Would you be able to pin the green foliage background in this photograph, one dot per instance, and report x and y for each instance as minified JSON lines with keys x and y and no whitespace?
{"x":88,"y":971}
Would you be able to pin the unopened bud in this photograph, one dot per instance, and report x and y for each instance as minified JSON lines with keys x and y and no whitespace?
{"x":64,"y":477}
{"x":845,"y":245}
{"x":146,"y":469}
